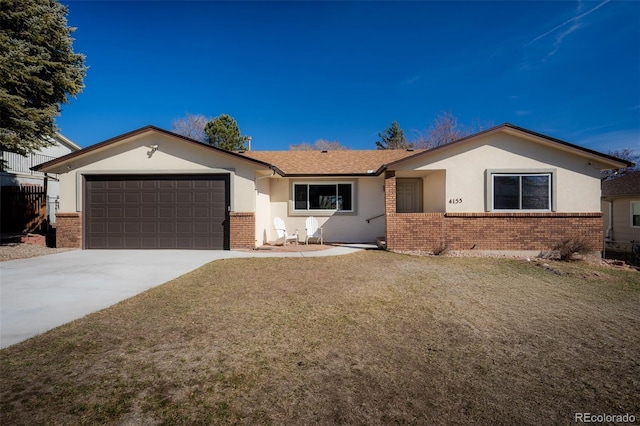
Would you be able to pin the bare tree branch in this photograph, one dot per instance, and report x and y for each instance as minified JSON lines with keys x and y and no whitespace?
{"x":446,"y":129}
{"x":191,"y":126}
{"x":319,"y":145}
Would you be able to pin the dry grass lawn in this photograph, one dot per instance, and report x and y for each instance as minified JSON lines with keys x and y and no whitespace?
{"x":369,"y":338}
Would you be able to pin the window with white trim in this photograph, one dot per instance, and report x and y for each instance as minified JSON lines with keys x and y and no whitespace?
{"x":323,"y":196}
{"x":521,"y":191}
{"x":635,"y":214}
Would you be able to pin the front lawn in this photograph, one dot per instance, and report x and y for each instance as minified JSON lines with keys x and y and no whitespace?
{"x":368,"y":338}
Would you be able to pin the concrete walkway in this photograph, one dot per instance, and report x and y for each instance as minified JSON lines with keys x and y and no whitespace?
{"x":41,"y":293}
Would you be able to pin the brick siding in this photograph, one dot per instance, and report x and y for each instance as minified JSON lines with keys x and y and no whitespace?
{"x":491,"y":231}
{"x":242,"y":230}
{"x":68,"y":230}
{"x":485,"y":230}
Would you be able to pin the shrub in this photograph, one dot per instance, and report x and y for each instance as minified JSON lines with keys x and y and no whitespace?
{"x":567,"y":248}
{"x":441,"y":248}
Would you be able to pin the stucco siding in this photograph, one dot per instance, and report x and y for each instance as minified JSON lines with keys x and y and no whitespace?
{"x":578,"y":183}
{"x":435,"y":196}
{"x":172,"y":156}
{"x":337,"y":227}
{"x":263,"y":210}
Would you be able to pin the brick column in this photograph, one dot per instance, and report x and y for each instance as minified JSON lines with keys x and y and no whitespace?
{"x":390,"y":219}
{"x":389,"y":192}
{"x":68,"y":230}
{"x":242,"y":230}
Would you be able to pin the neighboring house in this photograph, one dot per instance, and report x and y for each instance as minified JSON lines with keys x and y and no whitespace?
{"x":621,"y":210}
{"x":17,"y":170}
{"x":505,"y":188}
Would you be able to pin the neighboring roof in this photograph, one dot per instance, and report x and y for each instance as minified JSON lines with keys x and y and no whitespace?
{"x":332,"y":162}
{"x":627,"y":184}
{"x":146,"y":129}
{"x":506,"y":127}
{"x":68,"y":142}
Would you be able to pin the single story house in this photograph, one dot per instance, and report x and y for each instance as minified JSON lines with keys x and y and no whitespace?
{"x":621,"y":210}
{"x":505,"y":188}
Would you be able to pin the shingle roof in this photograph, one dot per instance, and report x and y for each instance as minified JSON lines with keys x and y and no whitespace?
{"x":627,"y":184}
{"x":336,"y":162}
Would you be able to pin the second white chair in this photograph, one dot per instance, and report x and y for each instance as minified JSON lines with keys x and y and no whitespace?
{"x":313,"y":231}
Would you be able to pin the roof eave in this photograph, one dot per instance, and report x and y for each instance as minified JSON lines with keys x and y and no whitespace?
{"x":317,"y":175}
{"x":104,"y":144}
{"x":616,"y":163}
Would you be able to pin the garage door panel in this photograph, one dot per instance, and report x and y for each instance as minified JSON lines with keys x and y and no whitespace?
{"x":96,"y":227}
{"x":184,"y":197}
{"x":184,"y":228}
{"x":166,"y":213}
{"x":132,"y":242}
{"x":148,"y":198}
{"x":99,"y":242}
{"x":201,"y":228}
{"x":132,"y":228}
{"x":115,"y":212}
{"x":167,"y":198}
{"x":132,"y":212}
{"x":203,"y":242}
{"x":202,"y":198}
{"x":97,"y":198}
{"x":132,"y":198}
{"x":97,"y":212}
{"x":157,"y":211}
{"x":148,"y":212}
{"x":149,"y":242}
{"x":166,"y":228}
{"x":148,"y":227}
{"x":115,"y":228}
{"x":184,"y":213}
{"x":201,"y":212}
{"x":115,"y":242}
{"x":167,"y":241}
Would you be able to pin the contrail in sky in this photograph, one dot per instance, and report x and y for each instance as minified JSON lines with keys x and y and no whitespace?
{"x":575,"y":18}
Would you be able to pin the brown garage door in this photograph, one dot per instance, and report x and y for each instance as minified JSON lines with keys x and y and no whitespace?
{"x":156,"y":212}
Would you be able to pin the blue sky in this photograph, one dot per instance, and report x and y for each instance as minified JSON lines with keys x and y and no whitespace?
{"x":293,"y":72}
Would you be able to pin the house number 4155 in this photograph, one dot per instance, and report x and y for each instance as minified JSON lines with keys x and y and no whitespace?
{"x":455,"y":200}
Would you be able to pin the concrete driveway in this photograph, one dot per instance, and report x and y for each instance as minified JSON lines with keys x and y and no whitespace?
{"x":42,"y":293}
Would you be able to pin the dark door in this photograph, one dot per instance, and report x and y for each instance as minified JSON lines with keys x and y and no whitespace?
{"x":156,"y":212}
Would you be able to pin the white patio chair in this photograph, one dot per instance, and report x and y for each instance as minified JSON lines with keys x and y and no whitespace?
{"x":313,"y":231}
{"x":281,"y":230}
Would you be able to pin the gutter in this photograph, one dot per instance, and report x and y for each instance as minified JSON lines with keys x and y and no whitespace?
{"x":255,"y":181}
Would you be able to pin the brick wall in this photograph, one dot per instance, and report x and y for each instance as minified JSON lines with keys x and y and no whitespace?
{"x":68,"y":230}
{"x":491,"y":231}
{"x":242,"y":230}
